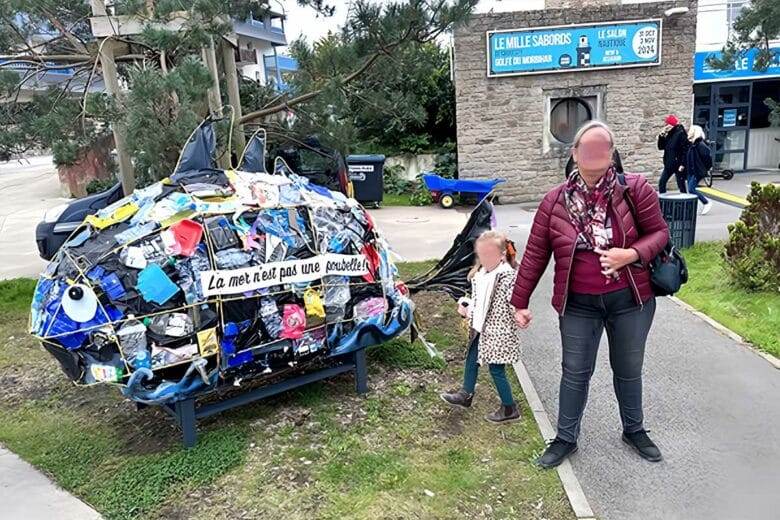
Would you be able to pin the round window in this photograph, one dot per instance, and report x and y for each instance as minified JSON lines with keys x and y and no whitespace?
{"x":566,"y":117}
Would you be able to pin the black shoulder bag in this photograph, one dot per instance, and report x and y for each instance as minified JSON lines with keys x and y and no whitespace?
{"x":668,"y":271}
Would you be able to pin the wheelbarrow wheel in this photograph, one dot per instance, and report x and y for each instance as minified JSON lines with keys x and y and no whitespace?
{"x":447,"y":201}
{"x":728,"y":174}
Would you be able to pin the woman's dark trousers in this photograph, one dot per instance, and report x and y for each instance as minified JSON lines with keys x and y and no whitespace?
{"x":581,"y":326}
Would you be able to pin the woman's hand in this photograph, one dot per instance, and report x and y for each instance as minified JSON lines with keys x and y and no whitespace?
{"x":523,"y":318}
{"x":615,"y":259}
{"x":463,"y":311}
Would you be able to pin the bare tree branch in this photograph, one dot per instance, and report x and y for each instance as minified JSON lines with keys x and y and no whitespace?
{"x":306,"y":97}
{"x":77,"y":44}
{"x":311,"y":95}
{"x":15,"y":29}
{"x":40,"y":58}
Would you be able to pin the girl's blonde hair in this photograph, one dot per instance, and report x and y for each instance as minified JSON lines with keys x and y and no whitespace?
{"x":696,"y":132}
{"x":506,"y":246}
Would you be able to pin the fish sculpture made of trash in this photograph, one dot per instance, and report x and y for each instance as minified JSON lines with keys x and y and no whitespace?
{"x":212,"y":276}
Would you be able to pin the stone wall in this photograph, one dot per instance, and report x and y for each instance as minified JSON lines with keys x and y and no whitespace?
{"x":413,"y":165}
{"x":501,"y":121}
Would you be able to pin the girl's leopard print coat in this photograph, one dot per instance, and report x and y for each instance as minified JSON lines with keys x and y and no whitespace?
{"x":499,"y":342}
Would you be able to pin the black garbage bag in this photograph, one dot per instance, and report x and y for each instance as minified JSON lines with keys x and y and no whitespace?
{"x":198,"y":153}
{"x":450,"y":274}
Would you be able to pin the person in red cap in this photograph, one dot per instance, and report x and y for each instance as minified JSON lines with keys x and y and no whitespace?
{"x":673,"y":140}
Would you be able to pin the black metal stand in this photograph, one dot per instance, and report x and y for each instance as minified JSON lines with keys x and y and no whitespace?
{"x":187,"y":414}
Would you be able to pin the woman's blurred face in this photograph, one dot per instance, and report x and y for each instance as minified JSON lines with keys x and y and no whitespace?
{"x":489,"y":254}
{"x":594,"y":151}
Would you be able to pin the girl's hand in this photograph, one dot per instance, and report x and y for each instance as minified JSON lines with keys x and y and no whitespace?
{"x":463,"y":306}
{"x":523,"y":318}
{"x":615,"y":259}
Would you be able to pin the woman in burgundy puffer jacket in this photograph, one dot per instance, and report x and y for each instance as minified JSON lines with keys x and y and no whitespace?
{"x":601,"y":281}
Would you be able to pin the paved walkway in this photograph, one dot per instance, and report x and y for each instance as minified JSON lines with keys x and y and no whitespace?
{"x":27,"y":494}
{"x":27,"y":189}
{"x":711,"y":404}
{"x":735,"y":191}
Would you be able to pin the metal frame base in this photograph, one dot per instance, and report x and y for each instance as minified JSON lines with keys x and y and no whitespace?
{"x":187,"y":413}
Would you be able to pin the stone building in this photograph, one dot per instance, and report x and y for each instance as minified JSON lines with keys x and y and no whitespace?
{"x":520,"y":126}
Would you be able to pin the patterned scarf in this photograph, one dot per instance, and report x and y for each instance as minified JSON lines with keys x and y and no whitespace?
{"x":588,"y":209}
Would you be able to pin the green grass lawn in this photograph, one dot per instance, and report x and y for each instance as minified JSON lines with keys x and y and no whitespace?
{"x":754,"y":316}
{"x":321,"y":451}
{"x":403,"y":199}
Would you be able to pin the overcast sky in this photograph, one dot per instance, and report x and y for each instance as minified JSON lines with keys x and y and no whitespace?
{"x":304,"y":21}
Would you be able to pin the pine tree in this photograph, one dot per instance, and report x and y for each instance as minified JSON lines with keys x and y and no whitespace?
{"x":166,"y":83}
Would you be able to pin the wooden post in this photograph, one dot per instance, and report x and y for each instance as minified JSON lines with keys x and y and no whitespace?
{"x":231,"y":77}
{"x":111,"y":79}
{"x":215,"y":97}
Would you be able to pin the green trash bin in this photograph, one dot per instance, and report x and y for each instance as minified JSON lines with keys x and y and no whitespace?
{"x":679,"y":211}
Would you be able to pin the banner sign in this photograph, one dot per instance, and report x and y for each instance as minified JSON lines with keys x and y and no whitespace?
{"x":238,"y":281}
{"x":574,"y":48}
{"x":742,"y":68}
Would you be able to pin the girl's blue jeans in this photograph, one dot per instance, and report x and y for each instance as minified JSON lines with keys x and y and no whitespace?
{"x":497,"y":372}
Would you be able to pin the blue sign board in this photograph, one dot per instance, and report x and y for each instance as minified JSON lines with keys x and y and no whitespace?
{"x":572,"y":48}
{"x":730,"y":117}
{"x":742,"y":69}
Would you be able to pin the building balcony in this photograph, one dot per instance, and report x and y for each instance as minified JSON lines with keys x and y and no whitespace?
{"x":269,"y":28}
{"x":285,"y":63}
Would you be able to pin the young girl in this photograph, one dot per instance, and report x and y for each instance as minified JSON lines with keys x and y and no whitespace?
{"x":491,"y":324}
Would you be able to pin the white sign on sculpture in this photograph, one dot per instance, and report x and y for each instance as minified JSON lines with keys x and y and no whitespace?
{"x":238,"y":281}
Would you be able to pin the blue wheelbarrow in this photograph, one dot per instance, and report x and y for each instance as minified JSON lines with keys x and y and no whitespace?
{"x":444,"y":190}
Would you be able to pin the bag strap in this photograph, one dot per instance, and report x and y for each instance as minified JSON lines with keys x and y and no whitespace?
{"x":629,"y":200}
{"x":669,"y":248}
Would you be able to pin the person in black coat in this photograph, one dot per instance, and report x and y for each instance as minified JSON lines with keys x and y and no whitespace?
{"x":615,"y":161}
{"x":698,"y":161}
{"x":674,"y":142}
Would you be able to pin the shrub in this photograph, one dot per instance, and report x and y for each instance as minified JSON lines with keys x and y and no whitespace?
{"x":99,"y":186}
{"x":420,"y":194}
{"x":394,"y":183}
{"x":752,"y":253}
{"x":447,"y":162}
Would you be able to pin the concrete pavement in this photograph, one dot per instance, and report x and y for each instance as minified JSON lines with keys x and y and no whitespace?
{"x":740,"y":184}
{"x":420,"y":233}
{"x":27,"y":494}
{"x":27,"y":189}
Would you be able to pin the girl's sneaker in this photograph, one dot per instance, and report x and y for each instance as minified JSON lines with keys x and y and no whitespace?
{"x":504,"y":414}
{"x":459,"y":398}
